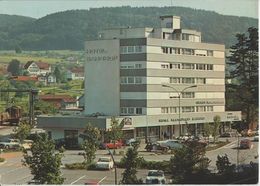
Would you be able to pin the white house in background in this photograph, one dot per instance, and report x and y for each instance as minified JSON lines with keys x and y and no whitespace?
{"x":75,"y":74}
{"x":37,"y":68}
{"x":47,"y":79}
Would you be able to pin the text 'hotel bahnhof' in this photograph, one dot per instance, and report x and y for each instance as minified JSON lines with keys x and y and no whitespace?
{"x":154,"y":80}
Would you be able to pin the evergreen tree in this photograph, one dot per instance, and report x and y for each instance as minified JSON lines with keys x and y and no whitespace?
{"x":130,"y":163}
{"x":44,"y":161}
{"x":244,"y":70}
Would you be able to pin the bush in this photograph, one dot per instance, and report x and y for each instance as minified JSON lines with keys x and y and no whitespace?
{"x":2,"y":159}
{"x":74,"y":166}
{"x":143,"y":164}
{"x":91,"y":166}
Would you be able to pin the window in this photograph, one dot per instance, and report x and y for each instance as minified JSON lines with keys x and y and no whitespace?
{"x":123,"y":50}
{"x":138,"y":49}
{"x":209,"y":108}
{"x":188,"y":95}
{"x":176,"y":50}
{"x":173,"y":109}
{"x":185,"y":37}
{"x":174,"y":80}
{"x":201,"y":67}
{"x":164,"y":110}
{"x":131,"y":110}
{"x":139,"y":111}
{"x":164,"y":66}
{"x":175,"y":66}
{"x":123,"y":80}
{"x":209,"y":52}
{"x":138,"y":65}
{"x":209,"y":67}
{"x":123,"y":110}
{"x":187,"y":51}
{"x":164,"y":50}
{"x":187,"y":66}
{"x":138,"y":80}
{"x":188,"y":80}
{"x":200,"y":109}
{"x":130,"y":49}
{"x":176,"y":36}
{"x":201,"y":80}
{"x":187,"y":109}
{"x":131,"y":80}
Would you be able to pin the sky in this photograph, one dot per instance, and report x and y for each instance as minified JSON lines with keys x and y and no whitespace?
{"x":40,"y":8}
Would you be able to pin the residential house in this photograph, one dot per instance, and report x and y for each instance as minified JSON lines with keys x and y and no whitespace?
{"x":60,"y":101}
{"x":75,"y":74}
{"x":37,"y":68}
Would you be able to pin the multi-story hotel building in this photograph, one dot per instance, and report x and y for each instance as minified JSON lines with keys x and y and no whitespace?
{"x":154,"y":80}
{"x":141,"y":72}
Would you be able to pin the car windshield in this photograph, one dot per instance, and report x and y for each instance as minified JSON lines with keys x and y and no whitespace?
{"x":155,"y":173}
{"x":103,"y":160}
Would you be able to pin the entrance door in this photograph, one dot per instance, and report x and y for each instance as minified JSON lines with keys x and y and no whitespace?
{"x":71,"y":139}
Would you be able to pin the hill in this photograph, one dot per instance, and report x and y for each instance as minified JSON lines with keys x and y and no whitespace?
{"x":69,"y":29}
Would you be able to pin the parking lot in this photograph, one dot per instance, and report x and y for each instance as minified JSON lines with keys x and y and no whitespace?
{"x":13,"y":172}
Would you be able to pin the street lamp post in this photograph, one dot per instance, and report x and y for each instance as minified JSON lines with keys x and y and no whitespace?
{"x":179,"y":97}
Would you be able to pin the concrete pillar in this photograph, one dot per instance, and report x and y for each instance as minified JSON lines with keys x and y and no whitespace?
{"x":171,"y":131}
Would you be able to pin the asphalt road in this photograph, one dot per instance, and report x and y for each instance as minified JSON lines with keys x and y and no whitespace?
{"x":13,"y":172}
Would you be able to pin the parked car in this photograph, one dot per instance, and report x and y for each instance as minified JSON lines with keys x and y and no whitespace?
{"x":114,"y":144}
{"x":27,"y":144}
{"x":226,"y":135}
{"x":105,"y":163}
{"x":10,"y":144}
{"x":245,"y":144}
{"x":129,"y":142}
{"x":155,"y":146}
{"x":171,"y":144}
{"x":155,"y":177}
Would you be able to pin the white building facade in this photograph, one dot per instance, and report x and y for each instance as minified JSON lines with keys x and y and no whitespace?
{"x":127,"y":69}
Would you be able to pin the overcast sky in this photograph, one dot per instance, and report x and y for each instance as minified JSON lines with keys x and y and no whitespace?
{"x":40,"y":8}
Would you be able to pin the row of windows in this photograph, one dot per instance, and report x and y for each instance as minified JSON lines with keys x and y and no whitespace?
{"x":187,"y":66}
{"x":131,"y":49}
{"x":177,"y":80}
{"x":131,"y":80}
{"x":132,"y":110}
{"x":167,"y":110}
{"x":186,"y":51}
{"x":132,"y":66}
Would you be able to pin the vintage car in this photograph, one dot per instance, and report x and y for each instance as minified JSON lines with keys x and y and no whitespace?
{"x":114,"y":144}
{"x":105,"y":163}
{"x":155,"y":177}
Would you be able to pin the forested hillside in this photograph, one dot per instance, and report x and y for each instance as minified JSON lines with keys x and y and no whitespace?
{"x":69,"y":29}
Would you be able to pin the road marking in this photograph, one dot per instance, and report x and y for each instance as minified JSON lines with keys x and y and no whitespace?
{"x":77,"y":179}
{"x":102,"y":179}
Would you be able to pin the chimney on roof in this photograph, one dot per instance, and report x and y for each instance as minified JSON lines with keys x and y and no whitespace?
{"x":173,"y":22}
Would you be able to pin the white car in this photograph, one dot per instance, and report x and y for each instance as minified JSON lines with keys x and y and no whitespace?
{"x":155,"y":177}
{"x":10,"y":144}
{"x":105,"y":163}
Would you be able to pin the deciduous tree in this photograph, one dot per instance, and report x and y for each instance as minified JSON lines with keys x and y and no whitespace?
{"x":14,"y":67}
{"x":22,"y":131}
{"x":130,"y":163}
{"x":90,"y":137}
{"x":44,"y":161}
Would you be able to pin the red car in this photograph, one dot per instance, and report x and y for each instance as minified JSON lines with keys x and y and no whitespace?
{"x":114,"y":145}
